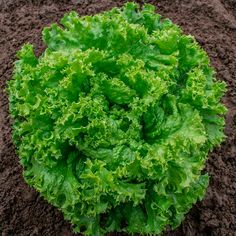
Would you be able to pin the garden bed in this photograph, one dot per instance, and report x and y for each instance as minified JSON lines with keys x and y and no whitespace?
{"x":212,"y":22}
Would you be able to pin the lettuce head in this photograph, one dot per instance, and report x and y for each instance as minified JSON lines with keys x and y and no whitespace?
{"x":114,"y":121}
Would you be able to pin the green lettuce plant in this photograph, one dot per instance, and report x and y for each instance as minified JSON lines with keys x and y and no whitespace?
{"x":114,"y":121}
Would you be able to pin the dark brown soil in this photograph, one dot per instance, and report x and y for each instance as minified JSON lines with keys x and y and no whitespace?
{"x":212,"y":22}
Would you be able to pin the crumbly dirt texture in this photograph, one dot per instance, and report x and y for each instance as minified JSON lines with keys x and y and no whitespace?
{"x":213,"y":22}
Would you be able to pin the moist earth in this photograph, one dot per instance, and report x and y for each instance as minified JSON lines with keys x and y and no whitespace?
{"x":213,"y":23}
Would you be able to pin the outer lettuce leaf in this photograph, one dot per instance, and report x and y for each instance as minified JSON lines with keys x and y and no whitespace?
{"x":114,"y":121}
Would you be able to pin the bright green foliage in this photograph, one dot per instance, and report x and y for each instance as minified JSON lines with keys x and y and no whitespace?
{"x":114,"y":121}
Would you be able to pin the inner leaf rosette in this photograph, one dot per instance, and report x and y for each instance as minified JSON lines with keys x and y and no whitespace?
{"x":114,"y":121}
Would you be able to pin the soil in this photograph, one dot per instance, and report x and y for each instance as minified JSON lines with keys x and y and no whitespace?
{"x":213,"y":22}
